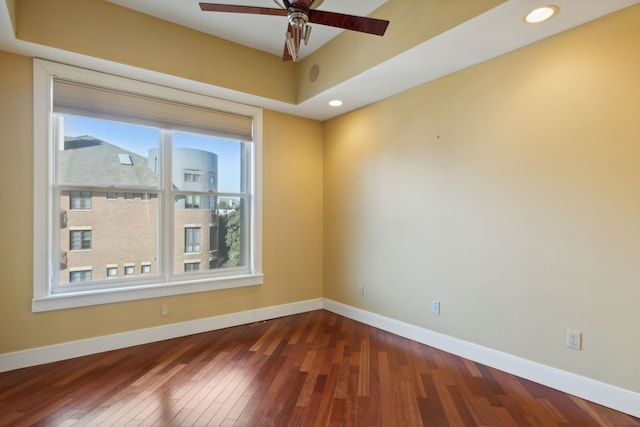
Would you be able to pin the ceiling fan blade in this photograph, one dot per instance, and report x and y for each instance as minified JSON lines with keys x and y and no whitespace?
{"x":216,"y":7}
{"x":349,"y":22}
{"x":302,"y":4}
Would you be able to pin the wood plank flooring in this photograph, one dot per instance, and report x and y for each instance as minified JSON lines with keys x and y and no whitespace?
{"x":312,"y":369}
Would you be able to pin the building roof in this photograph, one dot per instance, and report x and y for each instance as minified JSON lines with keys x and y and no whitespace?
{"x":86,"y":160}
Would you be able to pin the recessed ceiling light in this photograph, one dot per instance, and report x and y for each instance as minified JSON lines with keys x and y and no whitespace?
{"x":335,"y":103}
{"x":541,"y":14}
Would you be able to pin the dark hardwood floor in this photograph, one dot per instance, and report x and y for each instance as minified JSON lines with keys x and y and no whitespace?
{"x":312,"y":369}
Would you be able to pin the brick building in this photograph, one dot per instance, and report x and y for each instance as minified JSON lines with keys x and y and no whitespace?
{"x":107,"y":235}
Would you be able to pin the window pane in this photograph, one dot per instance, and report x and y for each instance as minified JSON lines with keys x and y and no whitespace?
{"x":219,"y":232}
{"x":101,"y":152}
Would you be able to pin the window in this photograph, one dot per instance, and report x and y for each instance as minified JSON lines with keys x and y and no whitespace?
{"x":192,"y":239}
{"x":190,"y":266}
{"x":97,"y":135}
{"x":145,"y":268}
{"x":80,"y":200}
{"x":80,"y":276}
{"x":112,"y":271}
{"x":125,"y":159}
{"x":192,"y":175}
{"x":79,"y":240}
{"x":192,"y":202}
{"x":129,"y":269}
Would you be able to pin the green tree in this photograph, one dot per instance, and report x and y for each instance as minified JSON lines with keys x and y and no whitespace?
{"x":232,"y":239}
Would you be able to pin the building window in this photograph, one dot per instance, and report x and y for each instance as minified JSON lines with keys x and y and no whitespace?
{"x":145,"y":268}
{"x":80,"y":276}
{"x":125,"y":159}
{"x":190,"y":266}
{"x":79,"y":240}
{"x":192,"y":201}
{"x":192,"y":239}
{"x":112,"y":271}
{"x":192,"y":175}
{"x":129,"y":269}
{"x":104,"y":134}
{"x":112,"y":195}
{"x":80,"y":200}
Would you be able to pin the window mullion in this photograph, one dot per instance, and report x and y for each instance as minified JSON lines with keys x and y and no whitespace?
{"x":167,"y":216}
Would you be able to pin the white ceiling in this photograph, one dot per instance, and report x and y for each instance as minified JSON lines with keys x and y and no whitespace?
{"x":493,"y":33}
{"x":263,"y":32}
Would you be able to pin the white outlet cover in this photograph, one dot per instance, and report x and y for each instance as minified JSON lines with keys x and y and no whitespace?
{"x":435,"y":307}
{"x":574,"y":339}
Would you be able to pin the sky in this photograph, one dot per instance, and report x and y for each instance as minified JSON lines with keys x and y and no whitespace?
{"x":139,"y":139}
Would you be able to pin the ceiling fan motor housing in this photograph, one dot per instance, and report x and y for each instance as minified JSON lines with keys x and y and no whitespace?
{"x":298,"y":17}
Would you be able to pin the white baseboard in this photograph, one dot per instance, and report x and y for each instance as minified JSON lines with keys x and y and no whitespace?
{"x":613,"y":397}
{"x":68,"y":350}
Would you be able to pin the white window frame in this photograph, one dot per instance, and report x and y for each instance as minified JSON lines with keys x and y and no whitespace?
{"x":157,"y":85}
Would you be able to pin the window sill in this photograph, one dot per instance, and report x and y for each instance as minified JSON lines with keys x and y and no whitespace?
{"x":108,"y":296}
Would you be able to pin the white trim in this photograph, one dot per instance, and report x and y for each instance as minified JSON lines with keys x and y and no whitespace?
{"x":108,"y":296}
{"x":608,"y":395}
{"x":68,"y":350}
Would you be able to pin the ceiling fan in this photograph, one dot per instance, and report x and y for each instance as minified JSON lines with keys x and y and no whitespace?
{"x":300,"y":13}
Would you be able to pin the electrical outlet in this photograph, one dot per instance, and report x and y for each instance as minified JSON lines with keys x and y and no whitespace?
{"x":164,"y":310}
{"x":360,"y":291}
{"x":435,"y":307}
{"x":574,"y":339}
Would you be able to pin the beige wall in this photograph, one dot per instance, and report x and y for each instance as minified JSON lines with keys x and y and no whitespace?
{"x":292,"y":236}
{"x":510,"y":192}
